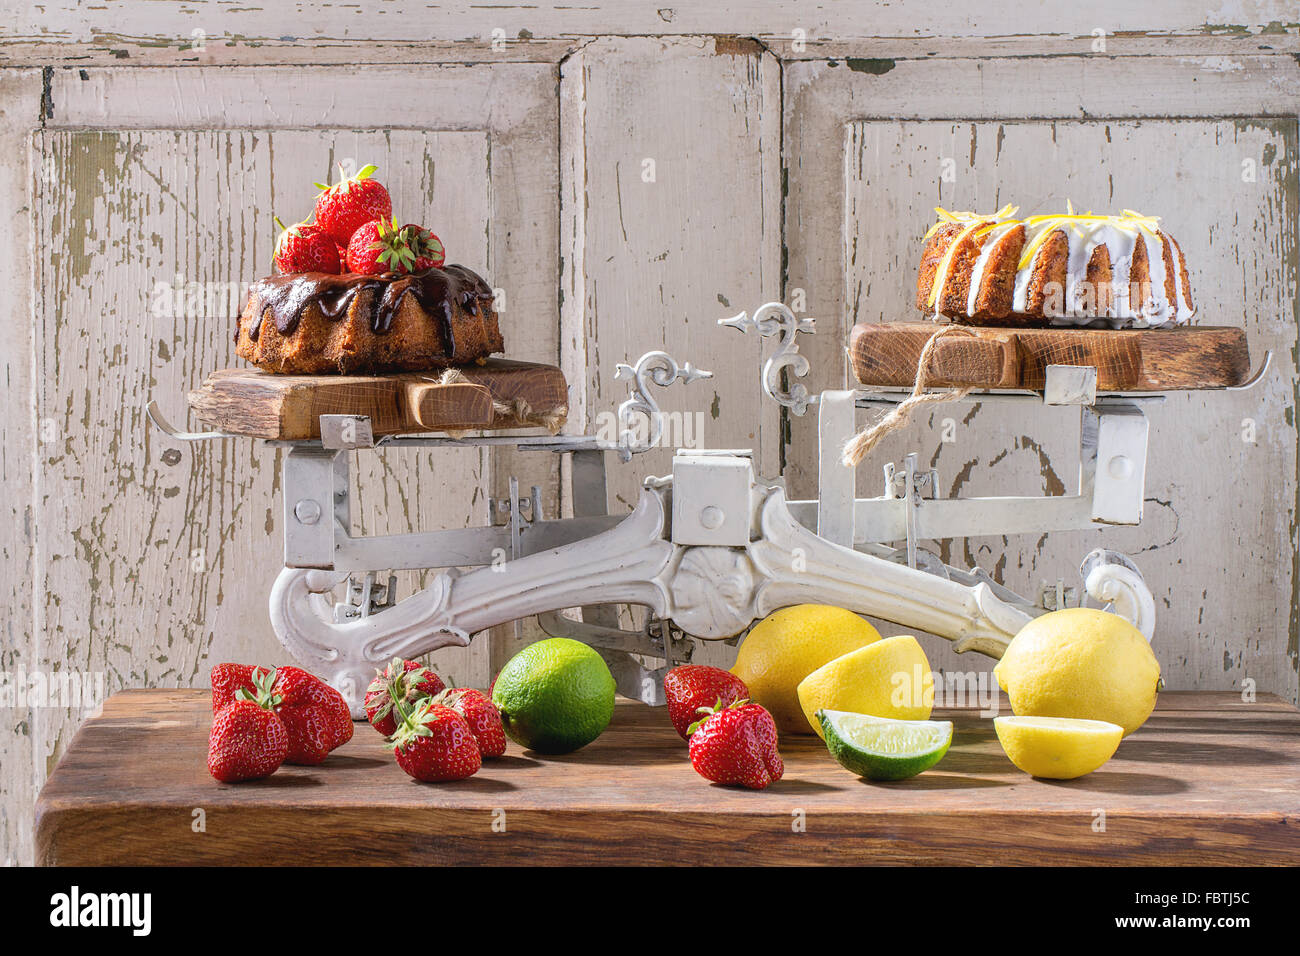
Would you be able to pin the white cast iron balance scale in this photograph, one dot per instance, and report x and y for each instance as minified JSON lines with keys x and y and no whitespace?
{"x":708,"y":550}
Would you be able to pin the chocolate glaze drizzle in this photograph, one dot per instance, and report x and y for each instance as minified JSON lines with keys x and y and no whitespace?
{"x":286,"y":296}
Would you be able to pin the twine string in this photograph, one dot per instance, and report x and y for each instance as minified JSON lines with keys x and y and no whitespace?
{"x":861,"y":444}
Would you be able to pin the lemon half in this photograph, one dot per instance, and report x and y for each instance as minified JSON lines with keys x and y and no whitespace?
{"x":889,"y":678}
{"x":787,"y":646}
{"x":1058,"y":748}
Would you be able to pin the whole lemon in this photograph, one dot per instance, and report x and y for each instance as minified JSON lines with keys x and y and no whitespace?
{"x":788,"y":645}
{"x":1083,"y":663}
{"x":889,"y":678}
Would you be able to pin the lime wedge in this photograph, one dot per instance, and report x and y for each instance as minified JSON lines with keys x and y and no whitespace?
{"x":881,"y":749}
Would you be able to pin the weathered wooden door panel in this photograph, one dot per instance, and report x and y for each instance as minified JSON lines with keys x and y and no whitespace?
{"x":151,"y":237}
{"x":512,"y":103}
{"x":152,"y":192}
{"x":20,"y":751}
{"x":1217,"y":541}
{"x":670,"y":180}
{"x":671,"y":221}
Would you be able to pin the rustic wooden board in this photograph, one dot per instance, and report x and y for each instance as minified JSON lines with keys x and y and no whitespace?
{"x":288,"y":407}
{"x":20,"y":751}
{"x":466,"y":32}
{"x":1209,"y":780}
{"x":1127,"y":360}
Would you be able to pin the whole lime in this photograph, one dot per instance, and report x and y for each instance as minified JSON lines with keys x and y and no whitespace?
{"x":555,"y":696}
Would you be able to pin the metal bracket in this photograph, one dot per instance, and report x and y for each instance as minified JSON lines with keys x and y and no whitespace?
{"x":1112,"y":472}
{"x":775,"y":318}
{"x":316,"y":504}
{"x":516,"y":513}
{"x":1057,"y":595}
{"x":661,"y":369}
{"x":1070,"y":385}
{"x":365,"y":597}
{"x":909,"y":481}
{"x":163,"y":425}
{"x":914,"y":487}
{"x":711,"y":499}
{"x":1114,"y":456}
{"x":346,"y":432}
{"x":836,"y":485}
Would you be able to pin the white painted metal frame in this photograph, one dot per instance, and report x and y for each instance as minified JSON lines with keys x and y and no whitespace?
{"x":733,"y":552}
{"x":708,"y":549}
{"x":1113,"y":432}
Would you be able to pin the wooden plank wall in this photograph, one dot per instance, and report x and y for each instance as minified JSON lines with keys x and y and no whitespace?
{"x":1024,"y":136}
{"x":656,"y":252}
{"x":137,"y":306}
{"x":794,"y":152}
{"x":1214,"y":456}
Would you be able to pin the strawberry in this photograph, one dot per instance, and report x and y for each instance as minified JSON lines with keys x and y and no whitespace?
{"x":378,"y":247}
{"x":247,"y":741}
{"x":342,"y":208}
{"x":398,"y":681}
{"x":431,"y":254}
{"x":227,"y":679}
{"x":304,"y":247}
{"x":435,"y":743}
{"x":315,"y":715}
{"x":693,"y":687}
{"x":482,"y":716}
{"x":737,"y":745}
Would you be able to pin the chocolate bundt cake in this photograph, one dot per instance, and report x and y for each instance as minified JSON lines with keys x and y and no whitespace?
{"x":307,"y":323}
{"x":1070,"y":269}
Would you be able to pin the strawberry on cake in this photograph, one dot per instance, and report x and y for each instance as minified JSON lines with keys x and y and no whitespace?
{"x":355,"y":292}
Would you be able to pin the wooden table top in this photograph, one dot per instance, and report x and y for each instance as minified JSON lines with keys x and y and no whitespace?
{"x":1208,"y":780}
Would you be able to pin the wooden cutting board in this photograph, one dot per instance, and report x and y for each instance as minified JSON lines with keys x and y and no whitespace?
{"x":1127,"y":360}
{"x":288,"y":407}
{"x":1208,"y":780}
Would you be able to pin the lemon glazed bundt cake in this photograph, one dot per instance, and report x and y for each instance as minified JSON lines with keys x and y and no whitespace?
{"x":1070,"y":269}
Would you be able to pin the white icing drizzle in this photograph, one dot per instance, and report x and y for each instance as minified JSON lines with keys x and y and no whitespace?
{"x":1020,"y":296}
{"x":1076,"y":303}
{"x":1154,"y":309}
{"x":986,"y":252}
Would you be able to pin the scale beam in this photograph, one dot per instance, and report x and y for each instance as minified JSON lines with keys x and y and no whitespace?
{"x":708,"y":549}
